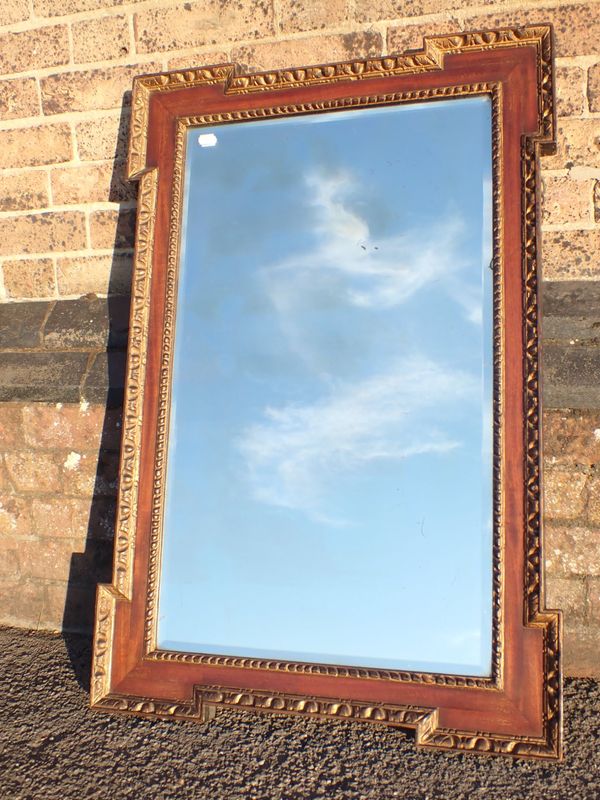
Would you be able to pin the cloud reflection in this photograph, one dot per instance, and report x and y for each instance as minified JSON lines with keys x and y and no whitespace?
{"x":295,"y":453}
{"x":372,"y":272}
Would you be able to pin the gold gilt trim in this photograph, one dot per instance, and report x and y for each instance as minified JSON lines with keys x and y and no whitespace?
{"x":424,"y":721}
{"x":164,"y":395}
{"x":125,"y":526}
{"x":498,"y":533}
{"x":144,"y":86}
{"x":129,"y":467}
{"x":431,"y":57}
{"x":104,"y":623}
{"x":150,"y":626}
{"x":535,"y":615}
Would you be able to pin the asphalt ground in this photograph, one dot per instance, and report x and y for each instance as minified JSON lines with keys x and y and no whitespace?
{"x":53,"y":746}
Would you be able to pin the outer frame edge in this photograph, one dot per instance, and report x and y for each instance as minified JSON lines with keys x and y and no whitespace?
{"x":428,"y":734}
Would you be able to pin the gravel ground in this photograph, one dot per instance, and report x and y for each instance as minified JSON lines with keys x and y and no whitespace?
{"x":53,"y":746}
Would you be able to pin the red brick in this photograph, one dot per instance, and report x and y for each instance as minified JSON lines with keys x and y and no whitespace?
{"x":571,"y":551}
{"x":576,"y":25}
{"x":87,"y":474}
{"x":33,"y":49}
{"x":66,"y":426}
{"x":566,"y":200}
{"x":33,"y":471}
{"x":15,"y":515}
{"x":9,"y":561}
{"x":571,"y":255}
{"x":77,"y":519}
{"x":568,"y":595}
{"x":402,"y":38}
{"x":311,"y":50}
{"x":569,"y":91}
{"x":61,"y":517}
{"x":22,"y":602}
{"x":572,"y":437}
{"x":11,"y":426}
{"x":204,"y":23}
{"x":47,"y":559}
{"x":580,"y":650}
{"x":90,"y":90}
{"x":112,"y":228}
{"x":19,"y":98}
{"x":305,"y":15}
{"x":13,"y":11}
{"x":594,"y":600}
{"x":564,"y":493}
{"x":594,"y":502}
{"x":36,"y":233}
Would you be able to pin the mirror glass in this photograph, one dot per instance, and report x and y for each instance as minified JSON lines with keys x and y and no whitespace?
{"x":329,"y":481}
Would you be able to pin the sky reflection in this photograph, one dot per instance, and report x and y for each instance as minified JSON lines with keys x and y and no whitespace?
{"x":329,"y":475}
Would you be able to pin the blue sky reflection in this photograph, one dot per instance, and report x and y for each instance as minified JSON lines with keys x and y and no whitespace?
{"x":329,"y":476}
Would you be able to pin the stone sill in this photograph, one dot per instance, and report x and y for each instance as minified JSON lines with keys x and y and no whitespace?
{"x":65,"y":351}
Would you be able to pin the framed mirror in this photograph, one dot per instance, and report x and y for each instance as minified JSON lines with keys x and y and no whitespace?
{"x":329,"y":492}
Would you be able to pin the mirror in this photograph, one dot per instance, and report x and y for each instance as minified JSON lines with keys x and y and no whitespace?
{"x":331,"y":425}
{"x":329,"y":491}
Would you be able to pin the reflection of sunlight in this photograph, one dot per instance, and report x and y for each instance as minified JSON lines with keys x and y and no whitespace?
{"x":297,"y":450}
{"x":207,"y":140}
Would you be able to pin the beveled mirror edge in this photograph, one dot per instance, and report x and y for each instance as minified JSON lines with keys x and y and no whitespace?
{"x":424,"y":720}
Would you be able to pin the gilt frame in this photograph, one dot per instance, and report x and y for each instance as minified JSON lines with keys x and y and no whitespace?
{"x":518,"y":710}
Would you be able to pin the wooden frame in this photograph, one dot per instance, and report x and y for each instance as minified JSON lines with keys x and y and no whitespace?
{"x":518,"y":710}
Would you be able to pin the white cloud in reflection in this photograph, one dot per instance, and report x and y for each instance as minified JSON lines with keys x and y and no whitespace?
{"x":368,"y":272}
{"x":297,"y":451}
{"x":296,"y":454}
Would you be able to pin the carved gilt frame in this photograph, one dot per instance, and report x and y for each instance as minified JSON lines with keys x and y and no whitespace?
{"x":517,"y":711}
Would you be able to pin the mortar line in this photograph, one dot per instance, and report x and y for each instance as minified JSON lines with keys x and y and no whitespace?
{"x":131,"y":28}
{"x":70,"y":41}
{"x":72,"y":208}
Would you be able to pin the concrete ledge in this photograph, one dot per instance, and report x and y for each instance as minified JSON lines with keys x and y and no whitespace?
{"x":571,"y":344}
{"x":64,"y":350}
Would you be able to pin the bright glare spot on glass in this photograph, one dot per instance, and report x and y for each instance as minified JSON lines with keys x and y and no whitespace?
{"x":207,"y":140}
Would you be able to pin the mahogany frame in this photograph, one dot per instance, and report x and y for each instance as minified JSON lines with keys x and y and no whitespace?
{"x":518,"y":710}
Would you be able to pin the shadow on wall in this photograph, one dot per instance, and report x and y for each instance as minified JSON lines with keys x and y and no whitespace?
{"x":94,"y":565}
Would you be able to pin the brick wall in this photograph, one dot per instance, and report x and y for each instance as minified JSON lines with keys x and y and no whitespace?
{"x":66,"y":227}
